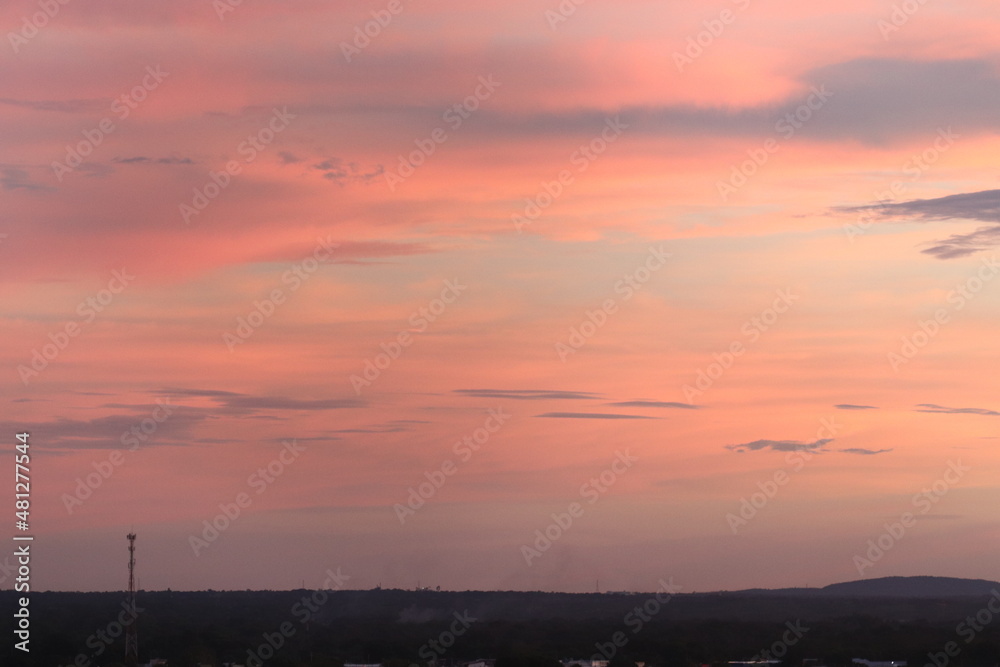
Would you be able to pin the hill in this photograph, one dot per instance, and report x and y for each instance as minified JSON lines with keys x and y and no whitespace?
{"x":913,"y":587}
{"x":921,"y":587}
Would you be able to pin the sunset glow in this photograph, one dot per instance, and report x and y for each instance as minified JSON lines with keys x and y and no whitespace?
{"x":443,"y":265}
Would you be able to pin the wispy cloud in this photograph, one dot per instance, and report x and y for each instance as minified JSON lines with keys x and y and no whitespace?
{"x":392,"y":426}
{"x":528,"y":394}
{"x":781,"y":446}
{"x":960,"y":245}
{"x":864,"y":452}
{"x":930,"y":407}
{"x":209,"y":393}
{"x":849,"y":406}
{"x":242,"y":403}
{"x":16,"y":178}
{"x":62,"y":106}
{"x":106,"y":432}
{"x":341,"y":172}
{"x":590,"y":415}
{"x":983,"y":206}
{"x":142,"y":159}
{"x":656,"y":404}
{"x":283,"y":403}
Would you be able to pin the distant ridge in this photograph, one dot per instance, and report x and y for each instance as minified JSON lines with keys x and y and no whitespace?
{"x":913,"y":587}
{"x":938,"y":601}
{"x":891,"y":587}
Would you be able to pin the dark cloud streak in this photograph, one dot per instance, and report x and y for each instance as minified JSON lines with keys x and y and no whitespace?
{"x":781,"y":446}
{"x":940,"y":409}
{"x":983,"y":206}
{"x":864,"y":452}
{"x":590,"y":415}
{"x":528,"y":394}
{"x":656,"y":404}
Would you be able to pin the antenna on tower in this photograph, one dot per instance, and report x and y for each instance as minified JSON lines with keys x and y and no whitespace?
{"x":131,"y":639}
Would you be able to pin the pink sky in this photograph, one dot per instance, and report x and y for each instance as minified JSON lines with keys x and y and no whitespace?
{"x":599,"y":176}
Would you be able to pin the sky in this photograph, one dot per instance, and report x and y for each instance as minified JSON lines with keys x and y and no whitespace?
{"x":505,"y":295}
